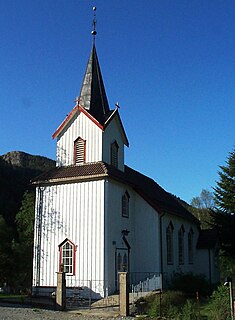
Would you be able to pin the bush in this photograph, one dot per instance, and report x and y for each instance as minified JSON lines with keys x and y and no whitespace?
{"x":219,"y":306}
{"x":188,"y":311}
{"x":190,"y":284}
{"x":170,"y":304}
{"x":166,"y":304}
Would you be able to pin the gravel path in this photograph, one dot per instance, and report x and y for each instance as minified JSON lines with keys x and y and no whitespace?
{"x":17,"y":312}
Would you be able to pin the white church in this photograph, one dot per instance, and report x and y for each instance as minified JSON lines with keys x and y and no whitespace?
{"x":95,"y":216}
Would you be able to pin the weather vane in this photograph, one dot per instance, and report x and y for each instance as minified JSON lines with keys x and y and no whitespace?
{"x":93,"y":32}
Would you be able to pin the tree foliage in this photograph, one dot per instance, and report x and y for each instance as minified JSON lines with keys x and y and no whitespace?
{"x":17,"y":217}
{"x":6,"y":260}
{"x":225,"y":190}
{"x":23,"y":248}
{"x":201,"y":207}
{"x":224,"y":216}
{"x":204,"y":201}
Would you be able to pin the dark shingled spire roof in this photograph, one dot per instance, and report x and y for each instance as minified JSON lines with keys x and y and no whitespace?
{"x":92,"y":96}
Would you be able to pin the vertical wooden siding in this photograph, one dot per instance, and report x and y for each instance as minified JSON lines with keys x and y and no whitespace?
{"x":73,"y":211}
{"x":83,"y":127}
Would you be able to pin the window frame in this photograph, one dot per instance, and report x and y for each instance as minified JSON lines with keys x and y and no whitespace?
{"x":170,"y":244}
{"x":126,"y":205}
{"x":114,"y":154}
{"x":181,"y":245}
{"x":62,"y":257}
{"x":190,"y":246}
{"x":79,"y":151}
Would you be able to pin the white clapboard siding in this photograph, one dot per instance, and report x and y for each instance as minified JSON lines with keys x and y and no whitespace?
{"x":112,"y":133}
{"x":79,"y":126}
{"x":73,"y":211}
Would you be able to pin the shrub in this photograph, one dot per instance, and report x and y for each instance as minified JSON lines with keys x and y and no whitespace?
{"x":219,"y":306}
{"x":190,"y":284}
{"x":188,"y":311}
{"x":167,"y":304}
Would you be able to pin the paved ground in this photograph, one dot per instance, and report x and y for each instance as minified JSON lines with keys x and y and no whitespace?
{"x":10,"y":311}
{"x":20,"y":312}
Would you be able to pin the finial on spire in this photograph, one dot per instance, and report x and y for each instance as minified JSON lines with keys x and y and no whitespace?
{"x":93,"y":32}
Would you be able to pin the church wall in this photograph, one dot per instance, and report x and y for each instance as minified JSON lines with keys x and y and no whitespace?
{"x":79,"y":126}
{"x":207,"y":264}
{"x":147,"y":246}
{"x":115,"y":223}
{"x":142,"y":225}
{"x":176,"y":267}
{"x":73,"y":211}
{"x":112,"y":133}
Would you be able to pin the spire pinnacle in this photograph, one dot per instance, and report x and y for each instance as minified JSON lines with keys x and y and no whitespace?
{"x":93,"y":32}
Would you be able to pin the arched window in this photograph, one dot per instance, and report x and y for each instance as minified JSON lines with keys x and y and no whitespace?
{"x":125,"y":262}
{"x":125,"y":205}
{"x":119,"y":262}
{"x":169,"y":243}
{"x":67,"y":257}
{"x":114,"y":154}
{"x":181,"y":245}
{"x":79,"y":151}
{"x":190,"y":246}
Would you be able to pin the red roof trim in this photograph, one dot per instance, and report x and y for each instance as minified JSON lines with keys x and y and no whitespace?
{"x":66,"y":120}
{"x":90,"y":117}
{"x":70,"y":116}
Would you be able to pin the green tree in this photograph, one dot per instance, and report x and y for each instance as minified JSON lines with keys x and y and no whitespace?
{"x":225,"y":190}
{"x":6,"y":256}
{"x":25,"y":219}
{"x":219,"y":304}
{"x":224,"y":216}
{"x":206,"y":200}
{"x":23,"y":248}
{"x":201,"y":207}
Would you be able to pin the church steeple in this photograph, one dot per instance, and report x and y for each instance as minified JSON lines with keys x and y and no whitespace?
{"x":93,"y":96}
{"x":91,"y":132}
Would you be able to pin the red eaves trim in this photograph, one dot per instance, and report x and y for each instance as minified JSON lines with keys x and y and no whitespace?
{"x":69,"y":117}
{"x":90,"y":117}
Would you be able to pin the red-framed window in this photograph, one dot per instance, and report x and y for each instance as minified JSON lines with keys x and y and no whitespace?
{"x":67,"y":251}
{"x":79,"y":151}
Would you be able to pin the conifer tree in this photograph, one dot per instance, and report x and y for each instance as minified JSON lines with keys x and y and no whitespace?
{"x":224,"y":217}
{"x":225,"y":190}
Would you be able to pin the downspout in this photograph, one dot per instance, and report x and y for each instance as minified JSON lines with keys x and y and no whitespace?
{"x":161,"y":245}
{"x":39,"y":235}
{"x":105,"y":271}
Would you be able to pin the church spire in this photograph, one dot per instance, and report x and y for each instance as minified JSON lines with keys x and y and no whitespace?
{"x":92,"y":95}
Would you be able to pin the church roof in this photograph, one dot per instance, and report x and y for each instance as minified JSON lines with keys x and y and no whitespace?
{"x":92,"y":95}
{"x":146,"y":187}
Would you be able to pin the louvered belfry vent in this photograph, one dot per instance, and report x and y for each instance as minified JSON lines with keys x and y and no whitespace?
{"x":79,"y":151}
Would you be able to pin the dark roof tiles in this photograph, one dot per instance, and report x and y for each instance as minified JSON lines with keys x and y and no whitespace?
{"x":148,"y":189}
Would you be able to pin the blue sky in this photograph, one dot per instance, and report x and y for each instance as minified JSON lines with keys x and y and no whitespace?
{"x":170,"y":64}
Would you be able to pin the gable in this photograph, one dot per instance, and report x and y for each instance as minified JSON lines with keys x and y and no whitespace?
{"x":115,"y":120}
{"x":70,"y":118}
